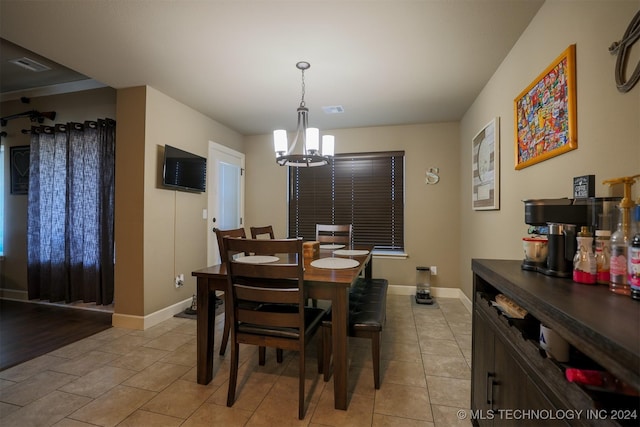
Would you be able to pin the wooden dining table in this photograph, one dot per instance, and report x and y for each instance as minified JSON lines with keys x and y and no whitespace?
{"x":321,"y":283}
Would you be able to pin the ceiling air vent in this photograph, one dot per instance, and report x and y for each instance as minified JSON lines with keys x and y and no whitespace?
{"x":29,"y":64}
{"x":333,"y":109}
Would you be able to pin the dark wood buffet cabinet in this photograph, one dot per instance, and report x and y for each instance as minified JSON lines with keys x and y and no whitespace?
{"x":514,"y":383}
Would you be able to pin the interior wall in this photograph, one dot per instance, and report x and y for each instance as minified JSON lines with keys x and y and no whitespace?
{"x":70,"y":107}
{"x":608,"y":124}
{"x":431,"y":211}
{"x":174,"y":231}
{"x":129,"y":201}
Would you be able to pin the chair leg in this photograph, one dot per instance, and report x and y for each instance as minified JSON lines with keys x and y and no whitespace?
{"x":375,"y":354}
{"x":225,"y":336}
{"x":320,"y":347}
{"x":279,"y":356}
{"x":301,"y":378}
{"x":262,"y":352}
{"x":233,"y":374}
{"x":326,"y":350}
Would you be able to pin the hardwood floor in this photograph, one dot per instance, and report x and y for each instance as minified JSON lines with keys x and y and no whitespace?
{"x":29,"y":330}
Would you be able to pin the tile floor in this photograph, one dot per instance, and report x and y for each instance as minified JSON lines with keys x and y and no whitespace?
{"x":122,"y":377}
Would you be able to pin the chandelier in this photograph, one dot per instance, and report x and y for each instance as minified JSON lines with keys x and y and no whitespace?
{"x":309,"y":154}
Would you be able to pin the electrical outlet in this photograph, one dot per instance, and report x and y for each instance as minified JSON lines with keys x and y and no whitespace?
{"x":179,"y":281}
{"x":434,"y":270}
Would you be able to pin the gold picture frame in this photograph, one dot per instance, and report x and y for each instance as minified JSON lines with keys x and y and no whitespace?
{"x":485,"y":167}
{"x":545,"y":113}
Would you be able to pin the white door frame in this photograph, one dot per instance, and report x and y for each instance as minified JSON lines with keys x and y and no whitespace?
{"x":218,"y":153}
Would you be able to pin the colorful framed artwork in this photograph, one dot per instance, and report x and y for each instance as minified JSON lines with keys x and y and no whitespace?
{"x":545,"y":113}
{"x":485,"y":167}
{"x":19,"y":164}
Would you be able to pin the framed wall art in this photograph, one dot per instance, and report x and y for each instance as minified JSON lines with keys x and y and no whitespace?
{"x":485,"y":167}
{"x":545,"y":113}
{"x":19,"y":165}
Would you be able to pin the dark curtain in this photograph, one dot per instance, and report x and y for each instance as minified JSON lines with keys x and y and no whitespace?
{"x":70,"y":248}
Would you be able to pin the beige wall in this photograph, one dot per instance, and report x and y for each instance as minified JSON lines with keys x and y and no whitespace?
{"x":431,"y":211}
{"x":608,"y":124}
{"x":129,"y":199}
{"x":160,"y":233}
{"x":76,"y":107}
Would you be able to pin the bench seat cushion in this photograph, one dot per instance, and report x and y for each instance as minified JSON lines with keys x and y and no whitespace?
{"x":367,"y":306}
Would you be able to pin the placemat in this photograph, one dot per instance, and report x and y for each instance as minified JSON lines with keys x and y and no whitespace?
{"x":257,"y":259}
{"x":351,"y":252}
{"x":335,"y":263}
{"x":331,"y":246}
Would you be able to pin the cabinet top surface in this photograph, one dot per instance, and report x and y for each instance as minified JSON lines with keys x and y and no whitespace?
{"x":581,"y":313}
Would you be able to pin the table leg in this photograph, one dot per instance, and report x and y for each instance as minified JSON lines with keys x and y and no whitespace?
{"x":205,"y":330}
{"x":340,"y":347}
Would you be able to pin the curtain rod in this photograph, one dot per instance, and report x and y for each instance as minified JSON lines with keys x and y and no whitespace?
{"x":62,"y":127}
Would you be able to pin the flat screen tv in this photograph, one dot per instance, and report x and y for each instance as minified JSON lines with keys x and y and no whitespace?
{"x":183,"y":170}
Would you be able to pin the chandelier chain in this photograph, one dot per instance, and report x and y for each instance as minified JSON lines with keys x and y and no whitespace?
{"x":302,"y":104}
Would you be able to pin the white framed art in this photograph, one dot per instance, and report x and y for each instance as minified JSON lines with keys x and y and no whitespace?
{"x":485,"y":168}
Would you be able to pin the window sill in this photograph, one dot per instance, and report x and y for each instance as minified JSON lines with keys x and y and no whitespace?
{"x":381,"y":253}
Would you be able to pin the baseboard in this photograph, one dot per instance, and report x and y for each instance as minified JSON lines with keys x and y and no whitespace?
{"x":14,"y":294}
{"x":142,"y":323}
{"x":435,"y":292}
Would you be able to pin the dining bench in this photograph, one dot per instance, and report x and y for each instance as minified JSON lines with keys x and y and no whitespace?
{"x":367,"y":315}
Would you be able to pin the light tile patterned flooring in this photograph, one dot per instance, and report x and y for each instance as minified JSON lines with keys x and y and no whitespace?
{"x":122,"y":377}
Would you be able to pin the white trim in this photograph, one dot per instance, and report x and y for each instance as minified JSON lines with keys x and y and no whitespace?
{"x":14,"y":294}
{"x":378,"y":254}
{"x":465,"y":301}
{"x":69,"y":87}
{"x":129,"y":321}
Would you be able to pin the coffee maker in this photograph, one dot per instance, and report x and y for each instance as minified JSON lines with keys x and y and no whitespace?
{"x":562,"y":247}
{"x":558,"y":219}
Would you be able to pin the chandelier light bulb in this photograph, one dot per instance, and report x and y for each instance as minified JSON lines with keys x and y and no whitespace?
{"x":280,"y":141}
{"x":328,"y":142}
{"x":313,"y":140}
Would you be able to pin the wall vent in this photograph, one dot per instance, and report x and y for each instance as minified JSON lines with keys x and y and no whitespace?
{"x":333,"y":109}
{"x":29,"y":64}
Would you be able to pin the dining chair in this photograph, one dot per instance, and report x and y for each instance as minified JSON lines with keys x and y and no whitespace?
{"x":282,"y":320}
{"x":220,"y":235}
{"x":260,"y":231}
{"x":334,"y":233}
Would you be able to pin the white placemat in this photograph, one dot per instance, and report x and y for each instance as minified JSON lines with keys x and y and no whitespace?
{"x":333,"y":246}
{"x":335,"y":263}
{"x":257,"y":259}
{"x":351,"y":252}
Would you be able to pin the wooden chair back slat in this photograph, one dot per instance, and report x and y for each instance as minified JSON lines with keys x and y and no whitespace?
{"x":221,"y":234}
{"x":257,"y":232}
{"x":334,"y":233}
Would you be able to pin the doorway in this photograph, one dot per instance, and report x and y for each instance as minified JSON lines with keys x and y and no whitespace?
{"x":225,"y":206}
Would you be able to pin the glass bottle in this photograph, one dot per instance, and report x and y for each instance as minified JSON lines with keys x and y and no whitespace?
{"x":633,"y":265}
{"x":603,"y":255}
{"x":618,"y":280}
{"x":584,"y":261}
{"x":619,"y":253}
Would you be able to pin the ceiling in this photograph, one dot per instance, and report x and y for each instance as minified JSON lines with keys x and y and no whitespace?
{"x":385,"y":62}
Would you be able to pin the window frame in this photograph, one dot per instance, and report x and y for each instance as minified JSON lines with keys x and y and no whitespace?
{"x":359,"y":176}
